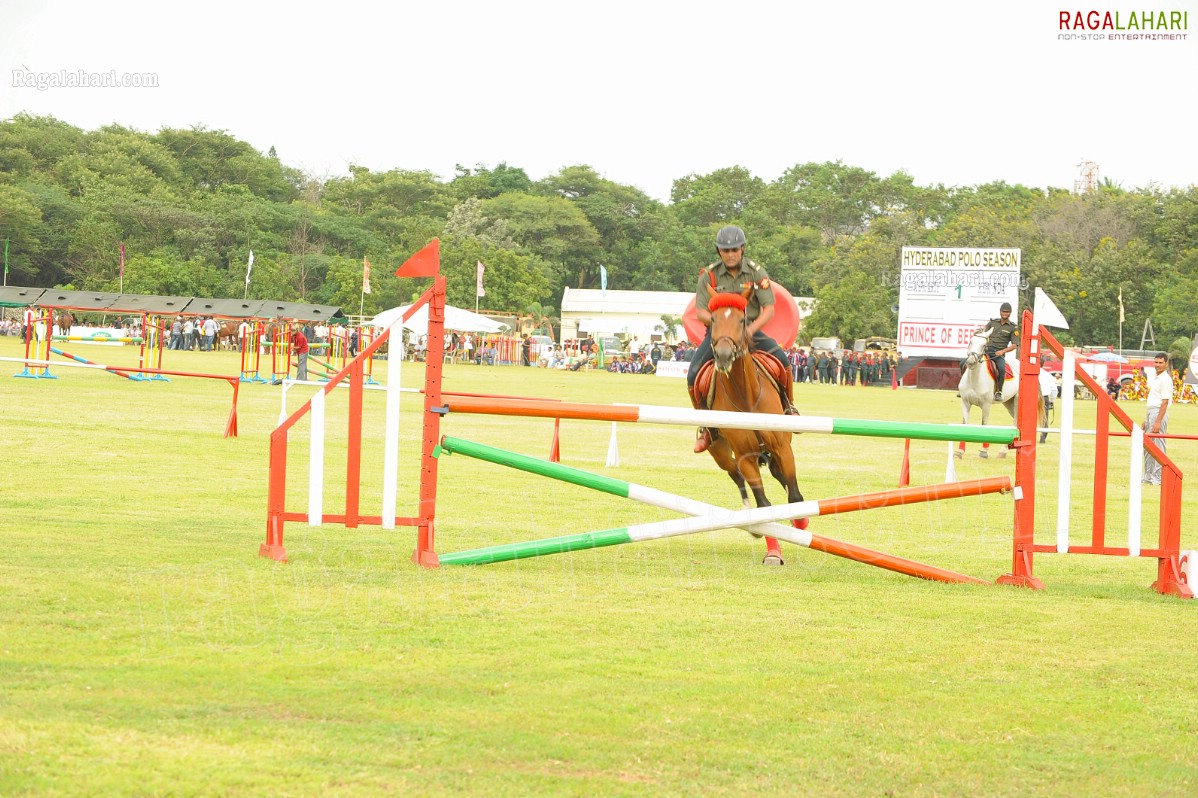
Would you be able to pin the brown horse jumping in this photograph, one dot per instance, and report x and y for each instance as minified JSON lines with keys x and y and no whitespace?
{"x":740,"y":384}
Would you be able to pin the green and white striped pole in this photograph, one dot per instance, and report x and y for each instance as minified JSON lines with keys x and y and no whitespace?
{"x":759,"y":521}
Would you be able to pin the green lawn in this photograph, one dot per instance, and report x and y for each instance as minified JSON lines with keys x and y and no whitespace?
{"x":145,"y":648}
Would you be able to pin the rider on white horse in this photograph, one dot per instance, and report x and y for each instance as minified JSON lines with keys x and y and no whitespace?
{"x":1004,"y":337}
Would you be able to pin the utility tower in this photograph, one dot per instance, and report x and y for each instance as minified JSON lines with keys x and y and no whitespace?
{"x":1087,"y":178}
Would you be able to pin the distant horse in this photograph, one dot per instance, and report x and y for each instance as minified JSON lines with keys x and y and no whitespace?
{"x":226,"y":334}
{"x":977,"y":388}
{"x":739,"y":383}
{"x":64,"y":321}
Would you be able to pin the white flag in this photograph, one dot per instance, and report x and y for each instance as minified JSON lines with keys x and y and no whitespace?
{"x":1045,"y":312}
{"x":478,"y":291}
{"x":365,"y":276}
{"x":1122,"y":318}
{"x":249,"y":268}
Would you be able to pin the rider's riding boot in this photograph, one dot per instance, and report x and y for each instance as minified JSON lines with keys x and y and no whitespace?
{"x":788,"y":402}
{"x":705,"y":435}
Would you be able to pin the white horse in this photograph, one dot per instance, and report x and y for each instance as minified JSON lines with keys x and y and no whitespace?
{"x":977,"y":388}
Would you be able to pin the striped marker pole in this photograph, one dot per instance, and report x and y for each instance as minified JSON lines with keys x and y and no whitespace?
{"x":683,"y":416}
{"x":759,"y":521}
{"x":78,"y":359}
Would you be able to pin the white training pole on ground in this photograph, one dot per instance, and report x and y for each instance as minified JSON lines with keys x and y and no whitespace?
{"x":1135,"y":492}
{"x":1065,"y":470}
{"x":283,"y":402}
{"x":316,"y":462}
{"x":391,"y":441}
{"x":613,"y":449}
{"x":950,"y":470}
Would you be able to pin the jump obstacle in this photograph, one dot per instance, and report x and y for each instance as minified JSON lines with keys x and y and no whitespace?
{"x":438,"y":403}
{"x":1022,"y":439}
{"x":230,"y":425}
{"x":709,"y":517}
{"x":1169,"y":579}
{"x":38,"y":329}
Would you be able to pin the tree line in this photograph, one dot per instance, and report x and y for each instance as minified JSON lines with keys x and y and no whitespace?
{"x":189,"y":205}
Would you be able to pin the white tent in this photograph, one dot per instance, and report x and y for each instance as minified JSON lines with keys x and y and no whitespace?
{"x":455,"y":319}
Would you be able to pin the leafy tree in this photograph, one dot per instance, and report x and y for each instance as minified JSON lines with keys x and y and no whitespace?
{"x":1092,"y":308}
{"x":484,"y":183}
{"x":855,"y":288}
{"x":1179,"y":353}
{"x":716,"y":198}
{"x":467,"y":220}
{"x":1175,"y":298}
{"x":669,"y":327}
{"x":554,"y":230}
{"x":542,"y":318}
{"x":20,"y":220}
{"x":512,"y":279}
{"x":33,"y":145}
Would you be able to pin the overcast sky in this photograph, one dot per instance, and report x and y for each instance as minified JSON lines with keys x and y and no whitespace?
{"x":645,"y":92}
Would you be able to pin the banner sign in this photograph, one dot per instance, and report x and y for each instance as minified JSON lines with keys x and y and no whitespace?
{"x":945,"y":293}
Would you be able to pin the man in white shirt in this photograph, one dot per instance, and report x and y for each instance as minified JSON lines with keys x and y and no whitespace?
{"x":1048,"y":390}
{"x":210,"y":330}
{"x":1160,"y":393}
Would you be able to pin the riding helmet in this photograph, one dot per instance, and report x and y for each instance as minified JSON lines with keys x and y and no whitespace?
{"x":730,"y":237}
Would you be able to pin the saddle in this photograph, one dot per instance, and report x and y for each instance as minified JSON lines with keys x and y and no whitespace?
{"x":1007,"y":373}
{"x":704,"y":384}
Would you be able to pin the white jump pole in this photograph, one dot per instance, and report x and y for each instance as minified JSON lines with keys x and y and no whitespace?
{"x":391,"y":427}
{"x":316,"y":462}
{"x":1064,"y":474}
{"x":1135,"y":493}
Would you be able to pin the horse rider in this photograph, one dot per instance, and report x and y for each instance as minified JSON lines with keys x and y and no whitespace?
{"x":733,"y":273}
{"x":1003,"y":338}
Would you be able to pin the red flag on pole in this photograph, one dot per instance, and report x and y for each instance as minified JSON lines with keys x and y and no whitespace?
{"x":122,"y":259}
{"x":425,"y":263}
{"x":365,"y":276}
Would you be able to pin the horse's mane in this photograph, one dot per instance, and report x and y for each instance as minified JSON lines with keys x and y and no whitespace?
{"x":728,"y":300}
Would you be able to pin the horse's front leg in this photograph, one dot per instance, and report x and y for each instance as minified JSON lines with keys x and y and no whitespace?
{"x":964,"y":420}
{"x":725,"y":458}
{"x":782,"y":466}
{"x":747,"y":465}
{"x":985,"y":420}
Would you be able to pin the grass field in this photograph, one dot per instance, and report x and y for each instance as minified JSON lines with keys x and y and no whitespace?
{"x":145,"y":648}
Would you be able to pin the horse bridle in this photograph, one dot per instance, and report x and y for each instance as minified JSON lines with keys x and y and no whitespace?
{"x":738,"y":347}
{"x":973,"y":358}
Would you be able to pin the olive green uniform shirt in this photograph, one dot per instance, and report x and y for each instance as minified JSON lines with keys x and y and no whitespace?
{"x":748,"y":274}
{"x":1004,"y":334}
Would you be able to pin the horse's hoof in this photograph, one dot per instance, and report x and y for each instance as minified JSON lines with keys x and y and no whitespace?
{"x":1002,"y":453}
{"x":984,"y":454}
{"x":958,"y":454}
{"x":773,"y":559}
